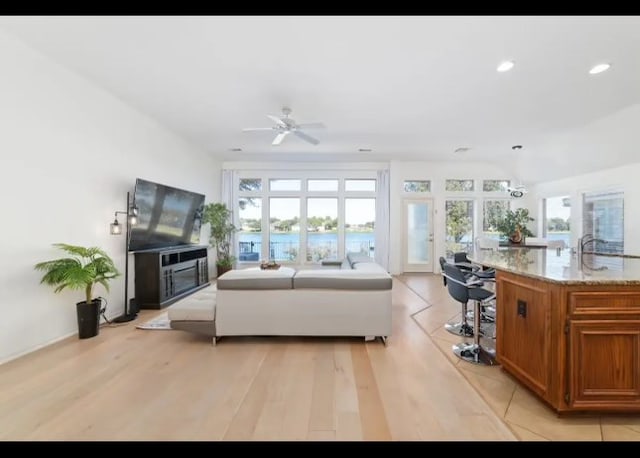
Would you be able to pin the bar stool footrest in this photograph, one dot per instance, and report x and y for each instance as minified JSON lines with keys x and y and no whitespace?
{"x":459,"y":329}
{"x":475,"y":354}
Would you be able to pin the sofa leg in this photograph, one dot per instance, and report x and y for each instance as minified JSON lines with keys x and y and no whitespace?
{"x":384,"y":340}
{"x":369,"y":338}
{"x":214,"y":340}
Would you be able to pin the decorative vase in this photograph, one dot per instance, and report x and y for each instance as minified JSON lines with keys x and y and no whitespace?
{"x":516,"y":237}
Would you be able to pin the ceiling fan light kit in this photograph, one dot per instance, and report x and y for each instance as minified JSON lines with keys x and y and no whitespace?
{"x":284,"y":125}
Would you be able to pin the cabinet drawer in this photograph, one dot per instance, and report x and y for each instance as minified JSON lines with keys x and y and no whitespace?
{"x":596,"y":304}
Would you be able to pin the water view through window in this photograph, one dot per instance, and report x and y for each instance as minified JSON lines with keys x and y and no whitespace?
{"x":305,"y":219}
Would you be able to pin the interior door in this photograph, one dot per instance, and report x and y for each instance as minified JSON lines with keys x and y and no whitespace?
{"x":417,"y":243}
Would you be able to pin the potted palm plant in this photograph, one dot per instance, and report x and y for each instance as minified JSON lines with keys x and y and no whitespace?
{"x":82,"y":270}
{"x":222,"y":229}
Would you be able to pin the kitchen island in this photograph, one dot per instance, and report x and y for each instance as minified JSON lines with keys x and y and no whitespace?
{"x":568,"y":328}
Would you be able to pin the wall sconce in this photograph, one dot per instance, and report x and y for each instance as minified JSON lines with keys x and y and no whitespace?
{"x":115,"y":228}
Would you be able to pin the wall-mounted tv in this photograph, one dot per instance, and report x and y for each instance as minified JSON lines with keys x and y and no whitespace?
{"x":167,"y":216}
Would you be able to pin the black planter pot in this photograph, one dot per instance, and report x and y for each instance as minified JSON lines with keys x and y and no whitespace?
{"x":88,"y":318}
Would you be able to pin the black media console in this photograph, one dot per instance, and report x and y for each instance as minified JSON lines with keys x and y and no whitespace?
{"x":165,"y":275}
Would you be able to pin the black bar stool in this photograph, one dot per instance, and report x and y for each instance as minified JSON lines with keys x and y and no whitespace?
{"x":463,"y":290}
{"x":461,"y":328}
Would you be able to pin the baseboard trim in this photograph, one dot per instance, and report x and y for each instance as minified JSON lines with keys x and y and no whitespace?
{"x":38,"y":347}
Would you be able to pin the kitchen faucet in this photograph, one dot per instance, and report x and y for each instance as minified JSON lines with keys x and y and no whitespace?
{"x":584,"y":241}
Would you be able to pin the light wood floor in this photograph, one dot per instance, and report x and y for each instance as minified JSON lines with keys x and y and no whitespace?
{"x":131,"y":384}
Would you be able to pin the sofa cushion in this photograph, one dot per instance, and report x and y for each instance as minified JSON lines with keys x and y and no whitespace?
{"x":256,"y":278}
{"x":355,"y":258}
{"x":369,"y":267}
{"x":197,"y":307}
{"x":342,"y":279}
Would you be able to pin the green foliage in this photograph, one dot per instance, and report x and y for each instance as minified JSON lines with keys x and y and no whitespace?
{"x":249,"y":184}
{"x":222,"y":229}
{"x":459,"y":222}
{"x":85,"y":268}
{"x":558,"y":224}
{"x":417,"y":186}
{"x":251,"y":224}
{"x":495,"y":185}
{"x":511,"y":220}
{"x":459,"y":185}
{"x":494,"y":211}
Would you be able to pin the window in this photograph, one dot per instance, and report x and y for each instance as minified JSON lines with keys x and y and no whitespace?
{"x":322,"y":228}
{"x":284,"y":228}
{"x":603,"y":218}
{"x":459,"y":222}
{"x":493,"y":211}
{"x":322,"y":185}
{"x":417,"y":186}
{"x":495,"y":185}
{"x":360,"y":185}
{"x":557,"y":219}
{"x":284,"y":185}
{"x":250,"y":230}
{"x":250,"y":184}
{"x":304,"y":216}
{"x":459,"y":185}
{"x":359,"y":222}
{"x":250,"y":187}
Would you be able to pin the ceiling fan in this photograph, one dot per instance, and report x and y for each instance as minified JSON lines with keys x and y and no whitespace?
{"x":284,"y":125}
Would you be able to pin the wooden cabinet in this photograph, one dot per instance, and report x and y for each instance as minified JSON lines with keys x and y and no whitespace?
{"x":604,"y":364}
{"x":164,"y":276}
{"x":524,"y":345}
{"x":575,"y":346}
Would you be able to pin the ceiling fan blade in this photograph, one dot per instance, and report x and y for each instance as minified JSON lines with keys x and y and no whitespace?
{"x":279,"y":138}
{"x":277,"y":120}
{"x":306,"y":137}
{"x":251,"y":129}
{"x":312,"y":125}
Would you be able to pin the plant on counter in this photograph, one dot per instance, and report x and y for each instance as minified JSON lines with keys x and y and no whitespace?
{"x":513,"y":225}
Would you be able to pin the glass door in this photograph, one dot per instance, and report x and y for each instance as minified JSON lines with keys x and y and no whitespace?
{"x":418,"y":235}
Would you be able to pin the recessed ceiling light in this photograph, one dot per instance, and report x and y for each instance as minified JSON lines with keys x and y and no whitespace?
{"x":462,"y":149}
{"x":505,"y":66}
{"x":235,"y":150}
{"x":365,"y":150}
{"x":599,"y":68}
{"x":515,"y":147}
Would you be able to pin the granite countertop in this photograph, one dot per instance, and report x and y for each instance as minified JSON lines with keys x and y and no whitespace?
{"x":562,"y":268}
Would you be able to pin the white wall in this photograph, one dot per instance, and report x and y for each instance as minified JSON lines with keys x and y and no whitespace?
{"x":69,"y":152}
{"x":606,"y":142}
{"x":437,"y":172}
{"x":625,"y":178}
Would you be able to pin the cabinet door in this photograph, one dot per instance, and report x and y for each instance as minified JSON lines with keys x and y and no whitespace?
{"x":166,"y":288}
{"x":524,"y":332}
{"x":604,"y":364}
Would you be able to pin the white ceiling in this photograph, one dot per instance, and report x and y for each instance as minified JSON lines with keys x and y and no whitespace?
{"x":410,"y":88}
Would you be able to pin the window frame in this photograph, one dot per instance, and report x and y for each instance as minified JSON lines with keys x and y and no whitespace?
{"x":303,"y":175}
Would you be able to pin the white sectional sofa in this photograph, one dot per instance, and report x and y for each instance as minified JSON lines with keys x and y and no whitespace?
{"x":351,"y":299}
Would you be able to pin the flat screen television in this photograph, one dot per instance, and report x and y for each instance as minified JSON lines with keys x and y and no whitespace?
{"x":167,"y":217}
